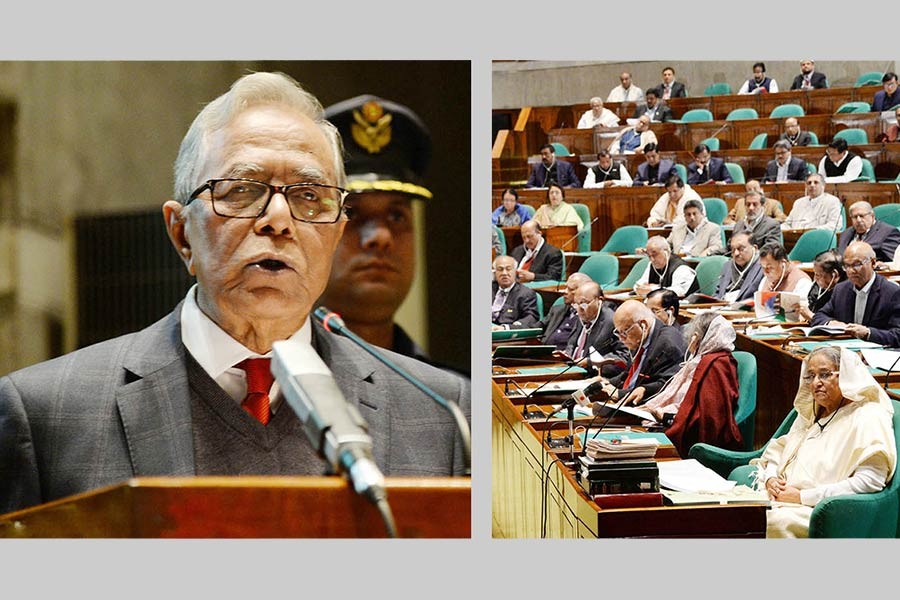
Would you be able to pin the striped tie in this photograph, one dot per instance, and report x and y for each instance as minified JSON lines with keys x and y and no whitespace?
{"x":259,"y":381}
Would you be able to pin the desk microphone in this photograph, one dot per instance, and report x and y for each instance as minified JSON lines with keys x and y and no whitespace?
{"x":333,"y":323}
{"x":888,"y":376}
{"x":586,"y":227}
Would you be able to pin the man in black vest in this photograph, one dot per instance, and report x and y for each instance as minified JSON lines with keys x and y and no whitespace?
{"x":665,"y":269}
{"x":839,"y":165}
{"x":536,"y":259}
{"x":607,"y":172}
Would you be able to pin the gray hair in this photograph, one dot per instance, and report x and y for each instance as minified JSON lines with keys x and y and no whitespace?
{"x":255,"y":89}
{"x":832,"y":353}
{"x":783,"y":145}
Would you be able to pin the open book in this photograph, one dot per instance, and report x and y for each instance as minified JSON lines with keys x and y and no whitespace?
{"x":818,"y":330}
{"x":606,"y":408}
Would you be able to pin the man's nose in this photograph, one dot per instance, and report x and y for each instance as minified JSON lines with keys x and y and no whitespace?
{"x":375,"y":234}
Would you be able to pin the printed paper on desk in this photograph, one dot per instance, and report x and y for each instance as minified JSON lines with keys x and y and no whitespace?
{"x":886,"y":360}
{"x":764,"y":304}
{"x":691,"y":476}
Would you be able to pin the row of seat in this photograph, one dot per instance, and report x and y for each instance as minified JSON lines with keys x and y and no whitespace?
{"x":724,"y":89}
{"x":699,"y":115}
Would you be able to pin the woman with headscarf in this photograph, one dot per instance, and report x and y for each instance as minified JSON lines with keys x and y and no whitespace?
{"x":842,"y":441}
{"x":700,"y":399}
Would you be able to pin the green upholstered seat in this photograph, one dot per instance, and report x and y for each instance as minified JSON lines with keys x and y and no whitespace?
{"x":759,"y":142}
{"x":626,"y":239}
{"x":708,"y":270}
{"x":811,"y":243}
{"x":716,"y":209}
{"x":741,"y":114}
{"x":787,"y":110}
{"x":602,"y":268}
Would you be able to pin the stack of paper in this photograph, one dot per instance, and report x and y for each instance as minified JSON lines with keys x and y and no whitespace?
{"x":621,"y":447}
{"x":691,"y":476}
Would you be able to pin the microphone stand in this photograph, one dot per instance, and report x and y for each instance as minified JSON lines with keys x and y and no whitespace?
{"x":888,"y":376}
{"x":566,"y":243}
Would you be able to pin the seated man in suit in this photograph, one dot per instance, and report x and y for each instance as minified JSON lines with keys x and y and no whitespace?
{"x":536,"y":259}
{"x":793,"y":135}
{"x":761,"y":228}
{"x":785,"y":167}
{"x":593,"y":342}
{"x":550,"y":169}
{"x":815,"y":210}
{"x":771,"y":206}
{"x":867,"y":303}
{"x":654,"y":170}
{"x":657,"y":352}
{"x":665,"y":270}
{"x":809,"y":78}
{"x":597,"y":115}
{"x":669,"y":88}
{"x":706,"y":168}
{"x":665,"y":305}
{"x":562,"y":319}
{"x":657,"y":110}
{"x":889,"y":96}
{"x":514,"y":305}
{"x":257,"y":216}
{"x":882,"y":237}
{"x":632,"y":140}
{"x":839,"y":165}
{"x":697,"y":235}
{"x":741,"y":275}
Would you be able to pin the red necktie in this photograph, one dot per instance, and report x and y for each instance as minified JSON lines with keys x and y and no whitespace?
{"x":259,"y":380}
{"x":579,"y":351}
{"x":633,"y":370}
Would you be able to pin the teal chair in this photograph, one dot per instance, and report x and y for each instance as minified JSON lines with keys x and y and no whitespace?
{"x":813,"y":139}
{"x":811,"y":168}
{"x":711,"y":143}
{"x":745,"y":412}
{"x":868,"y":171}
{"x":870,"y":78}
{"x":854,"y":107}
{"x":540,"y":304}
{"x":736,"y":172}
{"x":584,"y":234}
{"x":850,"y":516}
{"x":560,"y":149}
{"x":742,"y":113}
{"x":717,"y":89}
{"x":626,"y":239}
{"x":787,"y":110}
{"x":682,"y":171}
{"x":557,"y":302}
{"x":696,"y":115}
{"x":716,"y":209}
{"x":889,"y":213}
{"x":853,"y":135}
{"x":602,"y":268}
{"x":708,"y":271}
{"x":759,"y":142}
{"x":502,"y":240}
{"x":811,"y":243}
{"x":529,"y":209}
{"x":634,"y":274}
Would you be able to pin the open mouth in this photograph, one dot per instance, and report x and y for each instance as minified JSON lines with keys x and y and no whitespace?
{"x":271,"y":264}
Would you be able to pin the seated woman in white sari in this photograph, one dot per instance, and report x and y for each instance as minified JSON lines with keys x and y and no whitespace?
{"x":842,"y":441}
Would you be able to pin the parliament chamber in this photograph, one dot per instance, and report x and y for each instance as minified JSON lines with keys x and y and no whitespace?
{"x":537,"y":487}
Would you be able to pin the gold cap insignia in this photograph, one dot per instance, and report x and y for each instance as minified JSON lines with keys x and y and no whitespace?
{"x":372,"y":129}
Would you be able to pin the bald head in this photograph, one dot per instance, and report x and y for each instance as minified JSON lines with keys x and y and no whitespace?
{"x":505,"y":270}
{"x":859,"y":262}
{"x":573,"y":282}
{"x":633,"y":321}
{"x":586,"y":301}
{"x":531,"y":234}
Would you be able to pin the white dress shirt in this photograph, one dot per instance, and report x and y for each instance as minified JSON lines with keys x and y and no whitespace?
{"x":854,"y":169}
{"x":821,"y":212}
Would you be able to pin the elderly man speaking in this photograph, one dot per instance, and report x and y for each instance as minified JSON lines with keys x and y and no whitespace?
{"x":256,"y":219}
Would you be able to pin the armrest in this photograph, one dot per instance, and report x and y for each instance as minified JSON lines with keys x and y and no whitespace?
{"x":720,"y":460}
{"x":856,"y":516}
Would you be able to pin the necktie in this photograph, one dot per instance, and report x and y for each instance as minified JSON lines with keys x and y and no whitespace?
{"x":666,"y":92}
{"x":499,"y":301}
{"x":632,"y":371}
{"x":526,"y":262}
{"x":259,"y":380}
{"x":581,"y":341}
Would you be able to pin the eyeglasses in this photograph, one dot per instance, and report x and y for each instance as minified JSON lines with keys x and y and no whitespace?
{"x":622,"y":334}
{"x":823,"y":376}
{"x":248,"y":199}
{"x":857,"y":265}
{"x":859,"y":216}
{"x":584,"y":305}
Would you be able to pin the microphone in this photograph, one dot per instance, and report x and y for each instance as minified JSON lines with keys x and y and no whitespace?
{"x":526,"y":414}
{"x":333,"y":426}
{"x":333,"y":323}
{"x":888,"y":376}
{"x":566,"y":243}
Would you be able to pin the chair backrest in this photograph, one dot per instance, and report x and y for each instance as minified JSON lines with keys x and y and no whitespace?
{"x":708,"y":270}
{"x":759,"y":142}
{"x":602,"y":268}
{"x":626,"y":239}
{"x":540,"y":305}
{"x":868,"y":171}
{"x":870,"y":78}
{"x":742,"y":113}
{"x":787,"y":110}
{"x":712,"y":143}
{"x":502,"y":240}
{"x":584,"y":235}
{"x":811,"y":243}
{"x":854,"y":107}
{"x":635,"y":273}
{"x":745,"y":412}
{"x":717,"y":89}
{"x":810,"y":168}
{"x":529,"y":209}
{"x":682,"y":171}
{"x":716,"y":209}
{"x":736,"y":172}
{"x":560,"y":149}
{"x":696,"y":115}
{"x":813,"y":138}
{"x":889,"y":213}
{"x":557,"y":302}
{"x":853,"y":135}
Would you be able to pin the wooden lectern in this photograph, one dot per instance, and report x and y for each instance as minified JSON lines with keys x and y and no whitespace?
{"x":249,"y":507}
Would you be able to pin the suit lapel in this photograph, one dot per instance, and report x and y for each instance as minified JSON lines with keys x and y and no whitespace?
{"x":872,"y":300}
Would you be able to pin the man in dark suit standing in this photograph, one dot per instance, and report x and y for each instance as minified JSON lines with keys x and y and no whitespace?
{"x":536,"y":259}
{"x":562,"y":319}
{"x":658,"y":111}
{"x":514,"y":305}
{"x":654,"y":170}
{"x":669,"y":88}
{"x":784,"y":167}
{"x":550,"y":169}
{"x":882,"y":237}
{"x":809,"y":78}
{"x":593,"y":341}
{"x":867,"y":303}
{"x":707,"y":168}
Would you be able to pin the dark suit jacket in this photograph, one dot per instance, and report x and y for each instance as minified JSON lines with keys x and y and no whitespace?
{"x":565,"y":174}
{"x":664,"y":356}
{"x":678,"y":90}
{"x":520,"y":309}
{"x":663,"y":112}
{"x":749,"y":284}
{"x":803,"y":139}
{"x":882,"y":315}
{"x":552,"y":321}
{"x":547,"y":265}
{"x":883,"y":237}
{"x":121,"y":409}
{"x":602,"y":339}
{"x":818,"y":81}
{"x":765,"y":230}
{"x":884,"y":102}
{"x":796,"y":168}
{"x":715,"y":171}
{"x":666,"y":168}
